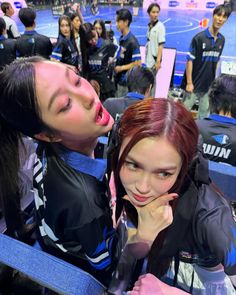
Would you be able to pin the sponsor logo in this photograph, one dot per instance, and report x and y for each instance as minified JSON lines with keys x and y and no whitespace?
{"x":18,"y":5}
{"x":211,"y":4}
{"x":173,"y":3}
{"x":221,"y":138}
{"x":191,"y":4}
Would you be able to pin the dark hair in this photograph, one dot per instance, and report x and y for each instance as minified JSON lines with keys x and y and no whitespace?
{"x":66,"y":18}
{"x":150,"y":7}
{"x":139,"y":79}
{"x":124,"y":14}
{"x":2,"y":26}
{"x":19,"y":113}
{"x":73,"y":15}
{"x":222,"y":95}
{"x":222,"y":9}
{"x":151,"y":118}
{"x":5,"y":6}
{"x":86,"y":33}
{"x":102,"y":24}
{"x":27,"y":16}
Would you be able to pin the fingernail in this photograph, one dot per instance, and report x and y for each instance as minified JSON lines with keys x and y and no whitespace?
{"x":175,"y":196}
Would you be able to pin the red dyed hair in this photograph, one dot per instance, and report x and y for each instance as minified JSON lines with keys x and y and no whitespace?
{"x":151,"y":118}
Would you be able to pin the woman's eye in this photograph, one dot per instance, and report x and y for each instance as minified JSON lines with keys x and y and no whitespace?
{"x":66,"y":107}
{"x":163,"y":174}
{"x":131,"y":165}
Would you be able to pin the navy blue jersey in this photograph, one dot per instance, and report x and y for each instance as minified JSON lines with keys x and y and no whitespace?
{"x":31,"y":43}
{"x":130,"y":53}
{"x":219,"y":138}
{"x":65,"y":50}
{"x":98,"y":58}
{"x":73,"y":211}
{"x":205,"y":53}
{"x":7,"y":51}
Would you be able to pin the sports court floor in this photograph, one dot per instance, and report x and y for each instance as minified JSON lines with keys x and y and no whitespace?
{"x":180,"y":25}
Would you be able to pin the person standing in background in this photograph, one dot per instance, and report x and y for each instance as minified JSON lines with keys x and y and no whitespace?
{"x":12,"y":30}
{"x":155,"y":41}
{"x":204,"y":53}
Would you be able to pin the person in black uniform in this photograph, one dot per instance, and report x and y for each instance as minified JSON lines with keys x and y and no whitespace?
{"x":130,"y":55}
{"x":32,"y":43}
{"x":7,"y":46}
{"x":204,"y":53}
{"x":218,"y":130}
{"x":65,"y":49}
{"x":97,"y":54}
{"x":163,"y":185}
{"x":140,"y":81}
{"x":50,"y":102}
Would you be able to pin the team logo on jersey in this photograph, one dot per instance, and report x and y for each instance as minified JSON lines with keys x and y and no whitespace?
{"x":100,"y":54}
{"x":203,"y":45}
{"x":221,"y":138}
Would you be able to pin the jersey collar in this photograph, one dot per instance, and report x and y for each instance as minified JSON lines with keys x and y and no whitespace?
{"x":209,"y":35}
{"x":99,"y":43}
{"x":82,"y":163}
{"x":135,"y":95}
{"x":124,"y":38}
{"x":222,"y":119}
{"x":31,"y":32}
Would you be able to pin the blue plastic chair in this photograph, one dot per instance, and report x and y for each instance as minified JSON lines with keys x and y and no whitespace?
{"x":47,"y":270}
{"x":224,"y":176}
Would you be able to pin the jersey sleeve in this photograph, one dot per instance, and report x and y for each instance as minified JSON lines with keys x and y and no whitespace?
{"x":162,"y":35}
{"x":191,"y":55}
{"x":218,"y":233}
{"x":57,"y":51}
{"x":136,"y":54}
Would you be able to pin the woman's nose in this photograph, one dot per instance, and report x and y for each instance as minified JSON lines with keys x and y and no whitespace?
{"x":143,"y":184}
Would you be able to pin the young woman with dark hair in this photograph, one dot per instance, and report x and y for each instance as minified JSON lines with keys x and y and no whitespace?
{"x":65,"y":49}
{"x":100,"y":28}
{"x":188,"y":239}
{"x":97,"y":54}
{"x":51,"y":103}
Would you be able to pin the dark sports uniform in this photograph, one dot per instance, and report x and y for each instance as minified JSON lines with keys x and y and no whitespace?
{"x":98,"y":57}
{"x":204,"y":52}
{"x":219,"y":138}
{"x":131,"y":53}
{"x":73,"y":210}
{"x":65,"y":51}
{"x":32,"y":43}
{"x":7,"y":51}
{"x":117,"y":106}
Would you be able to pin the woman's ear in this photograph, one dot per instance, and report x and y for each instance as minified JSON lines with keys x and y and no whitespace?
{"x":47,"y":137}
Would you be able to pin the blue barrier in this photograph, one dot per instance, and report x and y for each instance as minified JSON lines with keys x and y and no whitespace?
{"x":47,"y":270}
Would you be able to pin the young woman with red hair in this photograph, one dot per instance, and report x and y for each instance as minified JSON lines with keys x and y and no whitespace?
{"x":175,"y":217}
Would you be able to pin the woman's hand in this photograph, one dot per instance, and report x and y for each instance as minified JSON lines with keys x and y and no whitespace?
{"x":153,"y":218}
{"x":149,"y":284}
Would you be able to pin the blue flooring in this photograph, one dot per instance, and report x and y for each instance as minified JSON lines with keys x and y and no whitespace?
{"x":181,"y":26}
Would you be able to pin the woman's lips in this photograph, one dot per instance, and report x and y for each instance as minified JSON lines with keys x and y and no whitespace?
{"x":102,"y":116}
{"x":139,"y":198}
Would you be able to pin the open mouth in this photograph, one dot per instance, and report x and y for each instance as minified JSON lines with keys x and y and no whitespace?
{"x":102,"y":116}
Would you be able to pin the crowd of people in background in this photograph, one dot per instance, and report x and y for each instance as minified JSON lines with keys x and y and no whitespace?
{"x":150,"y":222}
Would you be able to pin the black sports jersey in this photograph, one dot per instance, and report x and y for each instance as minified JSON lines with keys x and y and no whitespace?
{"x":117,"y":106}
{"x":7,"y":51}
{"x":219,"y":138}
{"x":98,"y":57}
{"x":73,"y":212}
{"x":204,"y":52}
{"x":65,"y":50}
{"x":130,"y":53}
{"x":31,"y":43}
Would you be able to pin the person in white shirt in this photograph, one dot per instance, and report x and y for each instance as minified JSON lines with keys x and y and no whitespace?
{"x":12,"y":30}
